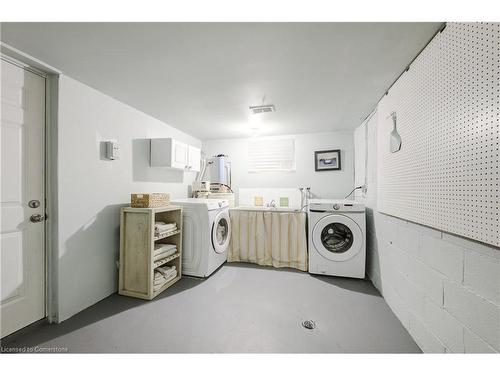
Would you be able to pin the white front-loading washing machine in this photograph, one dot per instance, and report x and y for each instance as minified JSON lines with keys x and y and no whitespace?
{"x":206,"y":231}
{"x":337,"y":243}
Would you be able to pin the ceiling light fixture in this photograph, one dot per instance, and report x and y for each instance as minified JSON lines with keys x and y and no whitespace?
{"x":264,"y":108}
{"x":257,"y":113}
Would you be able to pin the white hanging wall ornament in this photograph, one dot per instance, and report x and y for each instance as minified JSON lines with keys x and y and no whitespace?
{"x":395,"y":144}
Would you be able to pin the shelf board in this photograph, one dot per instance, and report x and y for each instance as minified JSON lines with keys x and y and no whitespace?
{"x":153,"y":209}
{"x":167,"y":235}
{"x":161,"y":262}
{"x":169,"y":283}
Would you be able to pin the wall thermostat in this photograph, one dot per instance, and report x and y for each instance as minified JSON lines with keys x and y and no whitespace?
{"x":112,"y":150}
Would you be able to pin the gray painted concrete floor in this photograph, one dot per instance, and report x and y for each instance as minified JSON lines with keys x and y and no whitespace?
{"x":241,"y":308}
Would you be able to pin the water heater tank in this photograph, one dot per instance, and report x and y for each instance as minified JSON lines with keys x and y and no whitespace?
{"x":219,"y":170}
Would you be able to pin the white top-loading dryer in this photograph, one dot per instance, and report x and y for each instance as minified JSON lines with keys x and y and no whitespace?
{"x":337,"y":244}
{"x":206,"y":232}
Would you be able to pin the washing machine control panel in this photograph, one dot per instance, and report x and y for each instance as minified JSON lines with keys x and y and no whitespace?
{"x":330,"y":205}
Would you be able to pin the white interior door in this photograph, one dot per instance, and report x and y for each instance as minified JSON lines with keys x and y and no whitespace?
{"x":22,"y":234}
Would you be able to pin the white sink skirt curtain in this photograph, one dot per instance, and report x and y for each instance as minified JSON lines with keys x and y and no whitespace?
{"x":275,"y":239}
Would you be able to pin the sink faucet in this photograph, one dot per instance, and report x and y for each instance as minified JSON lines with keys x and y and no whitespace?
{"x":271,"y":204}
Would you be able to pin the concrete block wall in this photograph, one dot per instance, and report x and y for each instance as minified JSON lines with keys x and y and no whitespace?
{"x":444,"y":289}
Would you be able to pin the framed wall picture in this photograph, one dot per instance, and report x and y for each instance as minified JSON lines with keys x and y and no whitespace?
{"x":328,"y":160}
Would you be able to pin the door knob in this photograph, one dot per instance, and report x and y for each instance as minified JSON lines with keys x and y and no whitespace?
{"x":37,"y":218}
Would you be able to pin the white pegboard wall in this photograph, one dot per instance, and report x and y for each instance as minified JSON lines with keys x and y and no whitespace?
{"x":446,"y":174}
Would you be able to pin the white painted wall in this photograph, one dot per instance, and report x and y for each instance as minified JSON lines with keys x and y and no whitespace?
{"x":359,"y":158}
{"x":91,"y":190}
{"x":325,"y":184}
{"x":445,"y":289}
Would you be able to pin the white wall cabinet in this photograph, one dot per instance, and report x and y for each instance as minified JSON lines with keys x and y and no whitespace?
{"x":194,"y":158}
{"x":170,"y":153}
{"x":179,"y":154}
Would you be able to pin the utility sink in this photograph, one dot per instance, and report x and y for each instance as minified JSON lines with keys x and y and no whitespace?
{"x":266,"y":209}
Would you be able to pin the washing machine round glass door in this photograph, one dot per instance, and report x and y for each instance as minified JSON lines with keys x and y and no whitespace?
{"x":337,"y":237}
{"x":221,"y":231}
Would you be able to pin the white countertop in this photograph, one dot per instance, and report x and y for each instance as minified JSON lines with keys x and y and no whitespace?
{"x":266,"y":209}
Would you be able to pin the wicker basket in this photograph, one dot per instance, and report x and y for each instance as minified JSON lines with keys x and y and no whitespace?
{"x":148,"y":200}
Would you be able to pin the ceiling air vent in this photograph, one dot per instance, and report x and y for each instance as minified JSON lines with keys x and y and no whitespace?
{"x":262,"y":109}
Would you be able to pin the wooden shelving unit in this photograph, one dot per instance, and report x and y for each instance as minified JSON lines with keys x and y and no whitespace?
{"x":137,"y":243}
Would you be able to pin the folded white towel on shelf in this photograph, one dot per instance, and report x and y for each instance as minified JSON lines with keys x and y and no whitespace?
{"x":160,"y":225}
{"x":158,"y":275}
{"x":166,"y":271}
{"x":163,"y":223}
{"x":162,"y":229}
{"x":166,"y":230}
{"x":171,"y":275}
{"x":163,"y":247}
{"x":161,"y":279}
{"x":159,"y":246}
{"x":164,"y":255}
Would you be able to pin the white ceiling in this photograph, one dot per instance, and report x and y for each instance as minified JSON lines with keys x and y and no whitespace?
{"x":202,"y":77}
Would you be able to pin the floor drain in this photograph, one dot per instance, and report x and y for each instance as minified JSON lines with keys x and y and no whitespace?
{"x":309,"y":324}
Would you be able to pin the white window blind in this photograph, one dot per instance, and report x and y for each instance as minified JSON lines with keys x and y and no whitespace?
{"x":271,"y":155}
